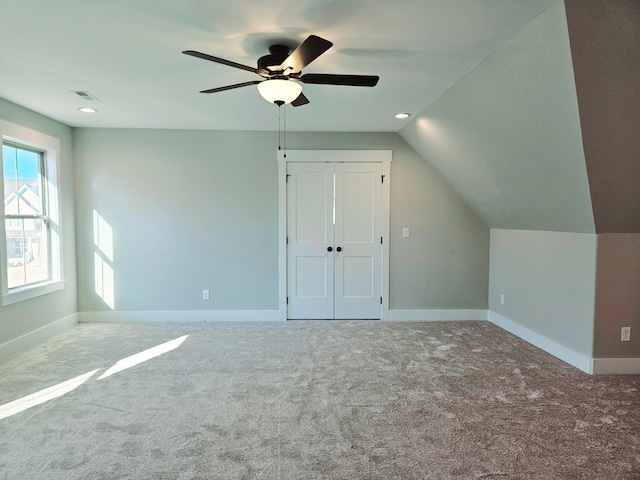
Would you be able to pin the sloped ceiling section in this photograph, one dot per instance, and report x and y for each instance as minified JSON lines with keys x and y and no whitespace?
{"x":605,"y":47}
{"x":507,"y":135}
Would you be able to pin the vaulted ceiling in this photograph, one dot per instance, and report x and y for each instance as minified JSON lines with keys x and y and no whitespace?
{"x":507,"y":135}
{"x":128,"y":55}
{"x":543,"y":133}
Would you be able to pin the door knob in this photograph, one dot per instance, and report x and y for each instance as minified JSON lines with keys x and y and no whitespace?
{"x":339,"y":249}
{"x":330,"y":249}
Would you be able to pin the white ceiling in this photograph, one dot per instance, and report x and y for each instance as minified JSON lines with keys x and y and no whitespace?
{"x":128,"y":54}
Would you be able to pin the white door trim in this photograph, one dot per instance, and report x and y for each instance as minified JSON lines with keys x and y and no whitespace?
{"x":332,"y":156}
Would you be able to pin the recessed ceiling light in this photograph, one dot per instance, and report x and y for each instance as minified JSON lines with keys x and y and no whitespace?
{"x":87,"y":110}
{"x":402,"y":115}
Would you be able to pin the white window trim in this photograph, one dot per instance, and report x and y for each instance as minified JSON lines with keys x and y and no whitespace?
{"x":23,"y":136}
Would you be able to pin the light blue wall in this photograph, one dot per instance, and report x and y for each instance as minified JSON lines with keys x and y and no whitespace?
{"x":21,"y":318}
{"x":194,"y":210}
{"x":548,"y":280}
{"x":189,"y":210}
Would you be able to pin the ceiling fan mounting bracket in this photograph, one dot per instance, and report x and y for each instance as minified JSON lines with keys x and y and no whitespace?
{"x":279,"y":50}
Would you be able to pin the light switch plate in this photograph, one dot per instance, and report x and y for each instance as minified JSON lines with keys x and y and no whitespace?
{"x":405,"y":232}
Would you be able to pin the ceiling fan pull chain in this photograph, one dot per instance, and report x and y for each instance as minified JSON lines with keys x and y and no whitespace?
{"x":279,"y":135}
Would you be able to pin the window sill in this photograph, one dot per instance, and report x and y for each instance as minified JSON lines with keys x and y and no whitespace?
{"x":31,"y":291}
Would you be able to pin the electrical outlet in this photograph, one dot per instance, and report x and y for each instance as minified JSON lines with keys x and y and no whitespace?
{"x":205,"y":294}
{"x":625,"y":334}
{"x":502,"y":299}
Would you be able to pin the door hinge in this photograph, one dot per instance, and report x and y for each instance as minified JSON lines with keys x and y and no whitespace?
{"x":287,"y":240}
{"x":380,"y":300}
{"x":380,"y":240}
{"x":382,"y":178}
{"x":288,"y":175}
{"x":287,"y":300}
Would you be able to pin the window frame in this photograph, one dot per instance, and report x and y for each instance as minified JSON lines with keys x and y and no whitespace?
{"x":28,"y":139}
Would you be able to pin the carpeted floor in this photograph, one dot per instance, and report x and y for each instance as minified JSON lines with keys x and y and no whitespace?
{"x":310,"y":400}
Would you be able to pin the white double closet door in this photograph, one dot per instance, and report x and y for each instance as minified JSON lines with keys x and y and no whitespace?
{"x":334,"y":249}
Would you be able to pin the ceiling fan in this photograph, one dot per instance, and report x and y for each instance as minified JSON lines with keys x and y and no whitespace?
{"x":282,"y":72}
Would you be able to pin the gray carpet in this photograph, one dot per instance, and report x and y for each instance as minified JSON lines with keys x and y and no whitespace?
{"x":312,"y":400}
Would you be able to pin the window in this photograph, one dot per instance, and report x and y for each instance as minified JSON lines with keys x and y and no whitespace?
{"x":30,"y":230}
{"x":25,"y":216}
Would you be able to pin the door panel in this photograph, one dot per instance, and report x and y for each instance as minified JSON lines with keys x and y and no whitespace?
{"x":358,"y":232}
{"x":357,"y":207}
{"x":310,"y":232}
{"x":311,"y":277}
{"x":357,"y":275}
{"x":313,"y":207}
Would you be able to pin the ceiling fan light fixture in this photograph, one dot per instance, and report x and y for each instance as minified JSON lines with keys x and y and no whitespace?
{"x":279,"y":91}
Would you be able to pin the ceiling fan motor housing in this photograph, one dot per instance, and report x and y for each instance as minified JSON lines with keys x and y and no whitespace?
{"x":277,"y":55}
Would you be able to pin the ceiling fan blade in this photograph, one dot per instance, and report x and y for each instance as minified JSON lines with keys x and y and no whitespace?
{"x":306,"y":53}
{"x":301,"y":100}
{"x":229,"y":63}
{"x":331,"y":79}
{"x":231,"y":87}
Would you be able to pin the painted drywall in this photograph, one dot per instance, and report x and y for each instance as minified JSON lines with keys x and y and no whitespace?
{"x":443,"y":264}
{"x":507,"y":135}
{"x":605,"y":47}
{"x":194,"y":210}
{"x":187,"y":211}
{"x":617,"y":295}
{"x":24,"y":317}
{"x":548,"y":281}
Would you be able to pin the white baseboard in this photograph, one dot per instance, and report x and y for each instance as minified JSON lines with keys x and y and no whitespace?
{"x":598,"y":366}
{"x":625,"y":366}
{"x":264,"y":316}
{"x":181,"y":316}
{"x":436,"y":315}
{"x":578,"y":360}
{"x":41,"y":334}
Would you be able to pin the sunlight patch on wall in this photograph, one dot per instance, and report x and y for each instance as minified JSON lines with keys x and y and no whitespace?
{"x":103,"y":260}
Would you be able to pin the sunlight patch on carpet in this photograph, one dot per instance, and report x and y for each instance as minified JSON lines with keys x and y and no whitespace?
{"x":141,"y":357}
{"x":43,"y":396}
